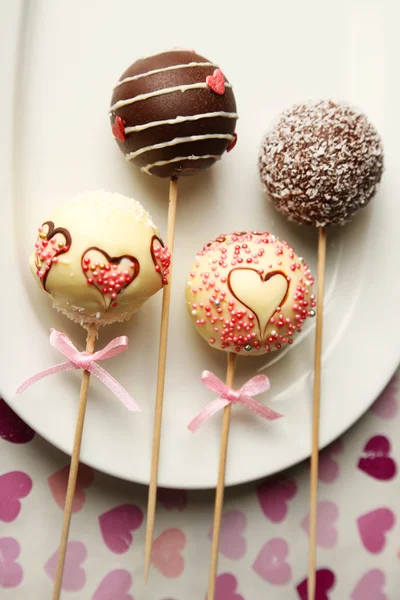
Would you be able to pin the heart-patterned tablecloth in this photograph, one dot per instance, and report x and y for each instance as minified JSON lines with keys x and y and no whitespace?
{"x":263,"y":551}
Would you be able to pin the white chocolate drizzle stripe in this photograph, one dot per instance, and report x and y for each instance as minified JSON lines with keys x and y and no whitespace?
{"x":179,"y":140}
{"x":170,"y":68}
{"x":170,"y":90}
{"x":210,"y":115}
{"x":161,"y":163}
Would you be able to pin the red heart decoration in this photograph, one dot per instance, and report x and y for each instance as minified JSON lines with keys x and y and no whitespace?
{"x":216,"y":82}
{"x":161,"y":257}
{"x":118,"y":129}
{"x":109,"y":274}
{"x":50,"y":243}
{"x":233,"y":143}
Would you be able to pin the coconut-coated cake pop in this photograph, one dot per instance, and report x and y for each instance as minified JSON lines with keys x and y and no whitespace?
{"x":249,"y":292}
{"x":99,"y":257}
{"x":321,"y":162}
{"x":173,"y":113}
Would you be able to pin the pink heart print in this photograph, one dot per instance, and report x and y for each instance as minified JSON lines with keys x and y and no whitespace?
{"x":386,"y":406}
{"x":10,"y":571}
{"x":325,"y":581}
{"x":12,"y":428}
{"x":370,"y":587}
{"x":114,"y":586}
{"x":271,"y":564}
{"x":117,"y":524}
{"x":372,"y":528}
{"x":327,"y":515}
{"x":225,"y":588}
{"x":13,"y":486}
{"x":172,"y":499}
{"x":58,"y":483}
{"x":377,"y":463}
{"x":166,"y":554}
{"x":328,"y":470}
{"x":74,"y":576}
{"x":232,"y":543}
{"x":273,"y":497}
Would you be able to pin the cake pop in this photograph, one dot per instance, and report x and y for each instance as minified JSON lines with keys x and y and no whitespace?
{"x":248,"y":293}
{"x":321,"y":163}
{"x":172,"y":114}
{"x":99,"y":258}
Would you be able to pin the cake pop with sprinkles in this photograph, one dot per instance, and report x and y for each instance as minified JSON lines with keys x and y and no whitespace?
{"x":99,"y":257}
{"x":321,"y":162}
{"x":173,"y":113}
{"x":249,"y":293}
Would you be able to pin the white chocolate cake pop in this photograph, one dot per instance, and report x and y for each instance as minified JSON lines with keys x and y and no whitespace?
{"x":249,"y":292}
{"x":100,"y":257}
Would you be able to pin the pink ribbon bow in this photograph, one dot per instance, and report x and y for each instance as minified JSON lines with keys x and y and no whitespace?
{"x":84,"y":360}
{"x":226,"y":396}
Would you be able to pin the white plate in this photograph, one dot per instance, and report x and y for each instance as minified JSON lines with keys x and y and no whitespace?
{"x":60,"y":60}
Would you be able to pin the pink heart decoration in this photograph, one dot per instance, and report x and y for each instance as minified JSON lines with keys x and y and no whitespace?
{"x":270,"y":563}
{"x":370,"y":587}
{"x":328,"y":470}
{"x":117,"y":524}
{"x":12,"y":428}
{"x":232,"y":543}
{"x":327,"y":514}
{"x":110,"y":275}
{"x":52,"y":241}
{"x":172,"y":499}
{"x":166,"y":554}
{"x":325,"y":580}
{"x":377,"y":463}
{"x":114,"y":586}
{"x":273,"y":496}
{"x":161,"y":258}
{"x":13,"y":486}
{"x":216,"y":82}
{"x":58,"y":483}
{"x":10,"y":571}
{"x":372,"y":528}
{"x":74,"y":576}
{"x":386,"y":405}
{"x":225,"y":587}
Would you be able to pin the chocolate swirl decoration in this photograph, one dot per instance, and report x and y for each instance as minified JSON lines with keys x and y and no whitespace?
{"x":110,"y":282}
{"x":62,"y":248}
{"x":264,"y":279}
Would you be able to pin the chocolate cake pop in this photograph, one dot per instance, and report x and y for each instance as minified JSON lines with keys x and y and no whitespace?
{"x":249,"y":292}
{"x":173,"y":113}
{"x":321,"y":163}
{"x":99,"y":257}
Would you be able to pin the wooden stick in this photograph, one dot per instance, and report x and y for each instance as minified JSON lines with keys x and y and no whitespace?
{"x":73,"y":470}
{"x":316,"y":415}
{"x":162,"y":359}
{"x":219,"y":495}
